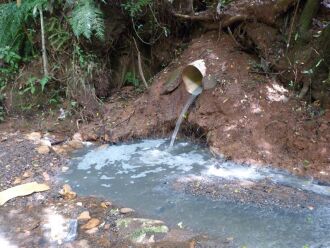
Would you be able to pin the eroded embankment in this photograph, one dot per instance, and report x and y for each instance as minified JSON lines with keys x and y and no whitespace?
{"x":248,"y":117}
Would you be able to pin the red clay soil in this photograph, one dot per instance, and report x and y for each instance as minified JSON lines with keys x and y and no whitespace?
{"x":248,"y":117}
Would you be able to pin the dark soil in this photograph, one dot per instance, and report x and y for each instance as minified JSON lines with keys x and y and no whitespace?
{"x":264,"y":194}
{"x":22,"y":162}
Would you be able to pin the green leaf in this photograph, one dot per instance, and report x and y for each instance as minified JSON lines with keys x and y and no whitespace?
{"x":43,"y":83}
{"x":87,"y":20}
{"x":319,"y":62}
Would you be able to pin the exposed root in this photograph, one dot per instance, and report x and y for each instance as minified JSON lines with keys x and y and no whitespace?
{"x":304,"y":89}
{"x":140,"y":65}
{"x":226,"y":22}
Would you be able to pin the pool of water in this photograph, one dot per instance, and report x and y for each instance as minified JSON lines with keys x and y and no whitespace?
{"x":141,"y":175}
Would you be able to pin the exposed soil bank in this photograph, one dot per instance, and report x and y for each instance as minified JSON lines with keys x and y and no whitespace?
{"x":247,"y":117}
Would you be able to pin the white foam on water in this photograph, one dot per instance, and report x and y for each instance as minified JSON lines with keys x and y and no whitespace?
{"x":114,"y":153}
{"x":234,"y":172}
{"x":106,"y":185}
{"x":145,"y":173}
{"x":142,"y":175}
{"x":104,"y":177}
{"x":140,"y":159}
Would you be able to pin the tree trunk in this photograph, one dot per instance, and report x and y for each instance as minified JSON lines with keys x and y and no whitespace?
{"x":324,"y":45}
{"x":43,"y":44}
{"x":305,"y":21}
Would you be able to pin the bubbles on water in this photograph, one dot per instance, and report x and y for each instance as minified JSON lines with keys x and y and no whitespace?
{"x":104,"y":177}
{"x":234,"y":171}
{"x":106,"y":185}
{"x":143,"y":175}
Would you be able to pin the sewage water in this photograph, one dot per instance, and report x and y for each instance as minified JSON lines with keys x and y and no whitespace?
{"x":191,"y":99}
{"x":142,"y":175}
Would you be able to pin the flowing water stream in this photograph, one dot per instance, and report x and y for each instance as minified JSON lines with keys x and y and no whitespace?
{"x":191,"y":99}
{"x":149,"y":177}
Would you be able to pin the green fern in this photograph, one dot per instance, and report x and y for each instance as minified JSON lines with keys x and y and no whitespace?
{"x":134,"y":7}
{"x":12,"y":21}
{"x":87,"y":20}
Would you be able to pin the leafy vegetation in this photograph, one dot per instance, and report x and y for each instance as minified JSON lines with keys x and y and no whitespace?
{"x":10,"y":63}
{"x":87,"y":19}
{"x":130,"y":78}
{"x":14,"y":21}
{"x":20,"y":42}
{"x":75,"y":41}
{"x":135,"y":7}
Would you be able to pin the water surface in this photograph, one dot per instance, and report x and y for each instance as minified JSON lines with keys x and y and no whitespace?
{"x":142,"y":175}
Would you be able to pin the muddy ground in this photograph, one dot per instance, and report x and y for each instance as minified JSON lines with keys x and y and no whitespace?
{"x":248,"y":117}
{"x":30,"y":221}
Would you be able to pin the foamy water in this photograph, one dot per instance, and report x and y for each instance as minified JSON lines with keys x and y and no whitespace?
{"x":141,"y":175}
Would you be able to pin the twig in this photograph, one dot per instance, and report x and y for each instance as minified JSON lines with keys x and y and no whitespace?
{"x":227,"y":22}
{"x":193,"y":18}
{"x":233,"y":37}
{"x":234,"y":19}
{"x":129,"y":117}
{"x":292,"y":23}
{"x":143,"y":41}
{"x":140,"y":65}
{"x":43,"y":43}
{"x":263,"y":72}
{"x":305,"y":88}
{"x":58,"y":142}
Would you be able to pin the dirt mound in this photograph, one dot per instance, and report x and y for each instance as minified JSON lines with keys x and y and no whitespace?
{"x":248,"y":117}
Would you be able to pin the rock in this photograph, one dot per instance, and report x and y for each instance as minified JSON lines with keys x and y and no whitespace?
{"x":142,"y":231}
{"x":60,"y":230}
{"x":17,"y":180}
{"x":65,"y":169}
{"x":27,"y":174}
{"x":84,"y":216}
{"x":67,"y":192}
{"x":43,"y":149}
{"x":172,"y":82}
{"x":82,"y":244}
{"x":91,"y":224}
{"x":77,"y":136}
{"x":126,"y":210}
{"x":75,"y":144}
{"x":59,"y":150}
{"x":92,"y":231}
{"x":34,"y":136}
{"x":46,"y":176}
{"x":106,"y":204}
{"x":66,"y":148}
{"x":90,"y":136}
{"x":45,"y":142}
{"x":101,"y":147}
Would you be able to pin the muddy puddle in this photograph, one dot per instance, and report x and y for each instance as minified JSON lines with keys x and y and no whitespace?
{"x":187,"y":187}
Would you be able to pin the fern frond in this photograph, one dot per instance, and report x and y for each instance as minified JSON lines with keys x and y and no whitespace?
{"x":12,"y":20}
{"x":87,"y":19}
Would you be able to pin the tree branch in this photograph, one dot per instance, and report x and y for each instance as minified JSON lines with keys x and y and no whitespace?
{"x":43,"y":43}
{"x":140,"y":65}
